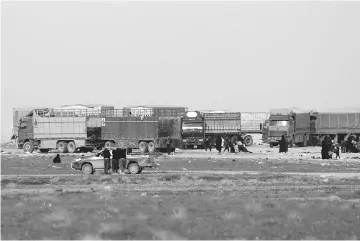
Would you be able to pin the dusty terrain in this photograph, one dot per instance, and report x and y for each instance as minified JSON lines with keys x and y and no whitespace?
{"x":192,"y":194}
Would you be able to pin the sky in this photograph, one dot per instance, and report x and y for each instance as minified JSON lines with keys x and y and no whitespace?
{"x":238,"y":56}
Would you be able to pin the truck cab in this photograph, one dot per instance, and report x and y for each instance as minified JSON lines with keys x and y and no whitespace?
{"x":192,"y":130}
{"x":280,"y":125}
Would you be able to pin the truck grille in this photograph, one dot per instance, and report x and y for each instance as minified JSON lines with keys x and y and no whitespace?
{"x":277,"y":133}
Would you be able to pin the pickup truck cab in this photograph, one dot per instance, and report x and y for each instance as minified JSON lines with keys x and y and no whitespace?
{"x":135,"y":163}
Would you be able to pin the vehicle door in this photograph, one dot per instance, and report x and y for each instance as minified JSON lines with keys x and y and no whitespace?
{"x":98,"y":161}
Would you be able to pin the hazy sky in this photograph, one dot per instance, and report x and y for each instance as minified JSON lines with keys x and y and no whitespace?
{"x":237,"y":56}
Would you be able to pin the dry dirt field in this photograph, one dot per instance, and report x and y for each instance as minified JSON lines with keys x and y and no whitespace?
{"x":192,"y":194}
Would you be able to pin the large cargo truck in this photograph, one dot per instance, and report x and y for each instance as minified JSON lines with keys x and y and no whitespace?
{"x":192,"y":130}
{"x":146,"y":133}
{"x":335,"y":124}
{"x":252,"y":123}
{"x":67,"y":130}
{"x":225,"y":124}
{"x":293,"y":124}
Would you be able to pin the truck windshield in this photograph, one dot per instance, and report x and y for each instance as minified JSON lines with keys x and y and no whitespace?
{"x":187,"y":126}
{"x":279,"y":123}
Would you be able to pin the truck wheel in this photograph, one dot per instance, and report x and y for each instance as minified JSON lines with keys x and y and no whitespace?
{"x":248,"y":140}
{"x":62,"y":146}
{"x":234,"y":139}
{"x":133,"y":168}
{"x":71,"y":147}
{"x":151,"y":147}
{"x":143,"y":146}
{"x":28,"y":147}
{"x":109,"y":144}
{"x":87,"y":169}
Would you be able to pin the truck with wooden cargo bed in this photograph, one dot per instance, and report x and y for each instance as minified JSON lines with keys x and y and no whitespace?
{"x":68,"y":130}
{"x":198,"y":126}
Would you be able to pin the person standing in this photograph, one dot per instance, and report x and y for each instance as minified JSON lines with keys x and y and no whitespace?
{"x":168,"y":144}
{"x":325,"y":148}
{"x":226,"y":145}
{"x":209,"y":143}
{"x":218,"y":143}
{"x":122,"y":156}
{"x":283,"y":144}
{"x":106,"y":154}
{"x":115,"y":161}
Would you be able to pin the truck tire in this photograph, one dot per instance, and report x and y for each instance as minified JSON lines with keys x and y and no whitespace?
{"x":109,"y":144}
{"x":234,"y":139}
{"x":71,"y":147}
{"x":151,"y":147}
{"x":28,"y":147}
{"x":143,"y":146}
{"x":248,"y":140}
{"x":133,"y":168}
{"x":62,"y":147}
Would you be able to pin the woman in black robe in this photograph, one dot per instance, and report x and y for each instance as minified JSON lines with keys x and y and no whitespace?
{"x":325,"y":148}
{"x":283,"y":145}
{"x":218,"y":143}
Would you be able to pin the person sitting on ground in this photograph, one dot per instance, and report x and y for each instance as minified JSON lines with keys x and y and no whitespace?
{"x":57,"y":159}
{"x":242,"y":148}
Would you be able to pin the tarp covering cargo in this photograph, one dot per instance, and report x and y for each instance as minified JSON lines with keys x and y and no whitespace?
{"x":287,"y":111}
{"x":337,"y":123}
{"x":222,"y":122}
{"x":302,"y":123}
{"x":252,"y":121}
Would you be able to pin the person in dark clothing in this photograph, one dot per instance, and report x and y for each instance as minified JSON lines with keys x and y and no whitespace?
{"x":122,"y":156}
{"x":106,"y":154}
{"x":325,"y":148}
{"x":336,"y":149}
{"x":283,"y":145}
{"x":57,"y":159}
{"x":226,"y":145}
{"x":207,"y":144}
{"x":115,"y":160}
{"x":218,"y":143}
{"x":168,"y":144}
{"x":232,"y":147}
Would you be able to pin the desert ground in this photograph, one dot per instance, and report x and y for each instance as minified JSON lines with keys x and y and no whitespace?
{"x":191,"y":194}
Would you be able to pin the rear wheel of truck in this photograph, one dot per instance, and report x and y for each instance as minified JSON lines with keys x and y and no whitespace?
{"x":151,"y":147}
{"x":87,"y":169}
{"x":62,"y":147}
{"x":143,"y":146}
{"x":133,"y":168}
{"x":28,"y":147}
{"x":109,"y":144}
{"x":248,"y":140}
{"x":71,"y":147}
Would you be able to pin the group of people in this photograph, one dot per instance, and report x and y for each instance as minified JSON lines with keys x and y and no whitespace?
{"x":118,"y":160}
{"x":228,"y":145}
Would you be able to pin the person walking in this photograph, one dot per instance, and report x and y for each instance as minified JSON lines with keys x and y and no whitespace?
{"x":106,"y":154}
{"x":226,"y":145}
{"x":209,"y":143}
{"x":218,"y":143}
{"x":283,"y":144}
{"x":168,"y":144}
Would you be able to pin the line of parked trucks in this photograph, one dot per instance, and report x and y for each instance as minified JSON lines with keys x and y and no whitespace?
{"x":145,"y":128}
